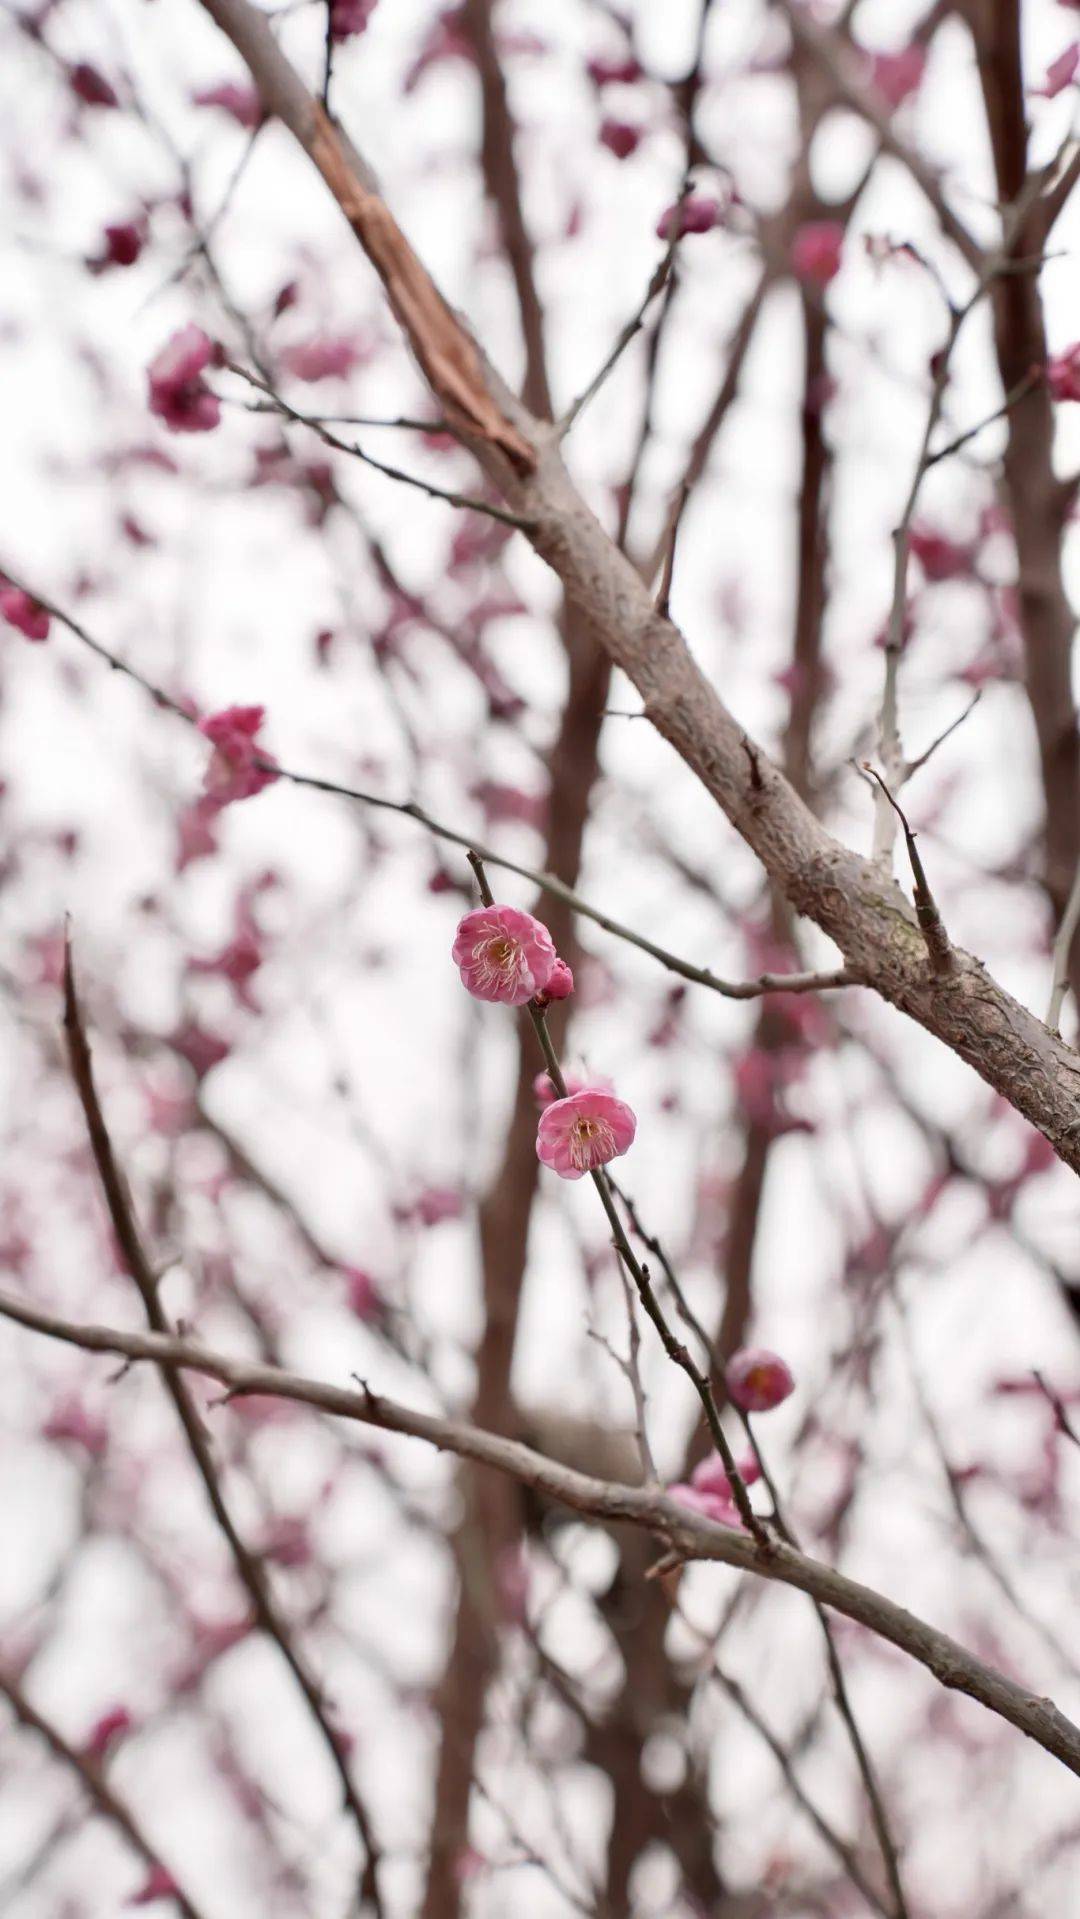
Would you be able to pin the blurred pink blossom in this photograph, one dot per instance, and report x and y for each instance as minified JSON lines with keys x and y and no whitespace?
{"x":233,"y":773}
{"x":816,"y":252}
{"x":178,"y":393}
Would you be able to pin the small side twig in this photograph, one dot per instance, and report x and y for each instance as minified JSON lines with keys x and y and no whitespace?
{"x":630,"y":331}
{"x":663,"y":597}
{"x":926,"y":911}
{"x":1062,"y":947}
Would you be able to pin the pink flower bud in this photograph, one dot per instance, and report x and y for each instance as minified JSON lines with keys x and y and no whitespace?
{"x":503,"y":955}
{"x":90,"y":86}
{"x":583,"y":1131}
{"x":758,"y":1380}
{"x":606,"y":70}
{"x":1063,"y":374}
{"x":158,"y":1884}
{"x":697,"y":214}
{"x":1059,"y":74}
{"x":365,"y":1300}
{"x":349,"y":17}
{"x":561,"y":983}
{"x":898,"y":75}
{"x":234,"y":772}
{"x":816,"y":252}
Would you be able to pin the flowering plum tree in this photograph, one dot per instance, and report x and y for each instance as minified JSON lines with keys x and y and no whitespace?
{"x":583,"y":494}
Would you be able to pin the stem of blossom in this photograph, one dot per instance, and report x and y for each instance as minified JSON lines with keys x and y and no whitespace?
{"x":674,"y":1348}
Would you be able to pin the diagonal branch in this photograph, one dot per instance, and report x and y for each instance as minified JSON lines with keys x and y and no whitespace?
{"x":248,"y":1565}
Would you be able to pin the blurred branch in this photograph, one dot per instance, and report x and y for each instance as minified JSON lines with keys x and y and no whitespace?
{"x":248,"y":1565}
{"x":94,"y":1784}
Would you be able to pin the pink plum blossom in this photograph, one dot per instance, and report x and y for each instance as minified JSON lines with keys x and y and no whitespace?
{"x":234,"y":772}
{"x":816,"y":252}
{"x":710,"y":1505}
{"x":178,"y":393}
{"x":121,"y":245}
{"x":1059,"y":74}
{"x":898,"y":75}
{"x":104,"y":1734}
{"x":620,"y":137}
{"x":584,"y":1131}
{"x":608,"y":70}
{"x":503,"y":954}
{"x":158,"y":1884}
{"x":940,"y":557}
{"x":349,"y":17}
{"x":242,"y":103}
{"x":21,"y":611}
{"x":699,"y":213}
{"x":710,"y":1475}
{"x":328,"y":357}
{"x":365,"y":1300}
{"x":90,"y":86}
{"x":70,"y":1420}
{"x":1063,"y":374}
{"x":436,"y":1204}
{"x":757,"y":1379}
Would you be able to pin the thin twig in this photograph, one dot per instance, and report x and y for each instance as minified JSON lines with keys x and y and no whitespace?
{"x":93,"y":1783}
{"x":464,"y":501}
{"x":409,"y":809}
{"x":663,"y":597}
{"x":1062,"y":943}
{"x":633,"y":326}
{"x":911,"y":767}
{"x":248,"y":1565}
{"x":674,"y":1348}
{"x":926,"y":911}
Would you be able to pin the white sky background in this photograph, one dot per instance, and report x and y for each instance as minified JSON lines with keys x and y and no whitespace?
{"x":368,"y":1073}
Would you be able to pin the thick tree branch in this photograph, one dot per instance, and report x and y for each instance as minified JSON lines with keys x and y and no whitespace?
{"x":687,"y":1534}
{"x":865,"y":914}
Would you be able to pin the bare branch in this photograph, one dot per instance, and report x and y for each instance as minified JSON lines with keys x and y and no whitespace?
{"x":691,"y":1536}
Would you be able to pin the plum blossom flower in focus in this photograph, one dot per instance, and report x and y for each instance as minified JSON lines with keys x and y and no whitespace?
{"x":503,"y":955}
{"x":699,"y":213}
{"x":584,"y":1131}
{"x":178,"y":393}
{"x":816,"y":251}
{"x":234,"y":772}
{"x":757,"y":1379}
{"x":1063,"y":374}
{"x":23,"y":612}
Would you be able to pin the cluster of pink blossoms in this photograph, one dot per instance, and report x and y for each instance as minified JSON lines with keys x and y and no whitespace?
{"x":178,"y":393}
{"x":239,"y":767}
{"x":507,"y":956}
{"x":756,"y":1380}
